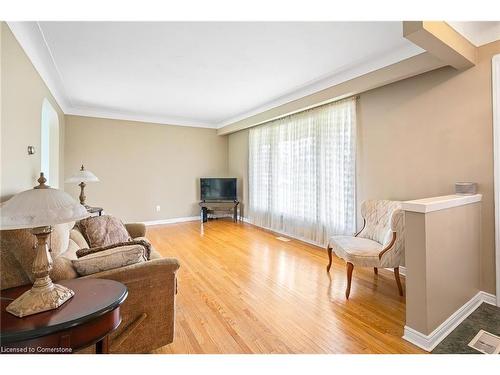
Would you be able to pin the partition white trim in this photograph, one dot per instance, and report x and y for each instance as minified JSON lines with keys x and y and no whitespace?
{"x":440,"y":203}
{"x":495,"y":67}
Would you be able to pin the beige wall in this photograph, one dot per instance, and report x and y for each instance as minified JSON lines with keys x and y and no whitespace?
{"x":142,"y":165}
{"x":417,"y":137}
{"x":238,"y":165}
{"x":22,"y":95}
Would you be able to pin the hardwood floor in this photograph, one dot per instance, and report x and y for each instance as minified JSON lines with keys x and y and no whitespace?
{"x":243,"y":291}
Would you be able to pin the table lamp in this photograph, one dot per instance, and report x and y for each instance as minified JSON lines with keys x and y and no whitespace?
{"x":81,"y":177}
{"x":38,"y":209}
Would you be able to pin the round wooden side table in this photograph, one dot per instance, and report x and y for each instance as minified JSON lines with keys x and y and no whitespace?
{"x":86,"y":319}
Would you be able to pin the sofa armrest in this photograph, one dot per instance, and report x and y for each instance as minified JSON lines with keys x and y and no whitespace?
{"x":136,"y":229}
{"x":148,"y":313}
{"x":139,"y":270}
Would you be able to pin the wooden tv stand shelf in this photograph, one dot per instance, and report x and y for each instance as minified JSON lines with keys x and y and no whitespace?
{"x":213,"y":206}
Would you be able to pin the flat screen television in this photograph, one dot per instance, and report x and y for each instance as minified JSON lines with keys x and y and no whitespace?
{"x":218,"y":189}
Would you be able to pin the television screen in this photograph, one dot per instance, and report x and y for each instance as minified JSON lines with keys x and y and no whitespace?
{"x":218,"y":189}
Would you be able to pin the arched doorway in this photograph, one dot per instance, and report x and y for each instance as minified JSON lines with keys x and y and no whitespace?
{"x":49,"y":145}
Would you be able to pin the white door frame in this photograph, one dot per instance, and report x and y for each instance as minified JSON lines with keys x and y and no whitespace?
{"x":495,"y":74}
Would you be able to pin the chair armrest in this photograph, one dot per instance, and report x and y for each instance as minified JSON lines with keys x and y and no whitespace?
{"x":389,"y":246}
{"x":136,"y":229}
{"x":364,"y":225}
{"x":397,"y":222}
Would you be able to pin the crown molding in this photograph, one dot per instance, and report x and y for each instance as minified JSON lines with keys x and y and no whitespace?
{"x":139,"y":117}
{"x":32,"y":40}
{"x":338,"y":77}
{"x":407,"y":68}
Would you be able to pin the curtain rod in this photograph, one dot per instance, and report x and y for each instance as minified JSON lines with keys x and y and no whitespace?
{"x":330,"y":101}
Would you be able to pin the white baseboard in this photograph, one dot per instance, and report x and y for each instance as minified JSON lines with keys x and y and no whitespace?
{"x":172,"y":220}
{"x":429,"y":342}
{"x":184,"y":219}
{"x":247,"y":220}
{"x":402,"y":270}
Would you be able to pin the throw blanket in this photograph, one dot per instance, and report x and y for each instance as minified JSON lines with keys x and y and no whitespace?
{"x":147,"y":246}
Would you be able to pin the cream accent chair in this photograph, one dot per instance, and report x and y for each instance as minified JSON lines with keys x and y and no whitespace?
{"x":379,"y":244}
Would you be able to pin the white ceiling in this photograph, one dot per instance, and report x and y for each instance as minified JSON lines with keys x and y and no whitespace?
{"x":201,"y":73}
{"x":478,"y":33}
{"x":208,"y":74}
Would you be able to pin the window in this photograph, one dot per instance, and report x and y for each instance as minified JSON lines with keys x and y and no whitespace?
{"x":49,"y":145}
{"x":302,"y":172}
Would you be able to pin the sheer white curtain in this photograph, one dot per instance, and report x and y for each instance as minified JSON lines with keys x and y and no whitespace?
{"x":302,"y":172}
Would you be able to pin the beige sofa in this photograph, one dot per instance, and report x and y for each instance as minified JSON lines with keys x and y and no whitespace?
{"x":148,"y":313}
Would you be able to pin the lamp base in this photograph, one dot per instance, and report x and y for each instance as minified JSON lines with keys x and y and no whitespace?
{"x":43,"y":295}
{"x":37,"y":300}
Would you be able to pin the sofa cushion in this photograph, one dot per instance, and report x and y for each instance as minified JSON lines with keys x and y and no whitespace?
{"x":72,"y":249}
{"x":12,"y":274}
{"x":109,"y":259}
{"x":147,"y":246}
{"x":136,"y":229}
{"x":19,"y":244}
{"x":62,"y":269}
{"x":103,"y":231}
{"x":76,"y":236}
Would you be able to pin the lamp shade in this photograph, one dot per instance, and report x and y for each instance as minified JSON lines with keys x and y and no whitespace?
{"x":40,"y":207}
{"x":82,"y":175}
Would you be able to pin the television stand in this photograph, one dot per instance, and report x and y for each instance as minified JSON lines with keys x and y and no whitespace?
{"x":218,"y":206}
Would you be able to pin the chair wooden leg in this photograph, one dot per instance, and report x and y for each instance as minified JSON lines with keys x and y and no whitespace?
{"x":398,"y":280}
{"x":329,"y":251}
{"x":350,"y":267}
{"x":375,"y":269}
